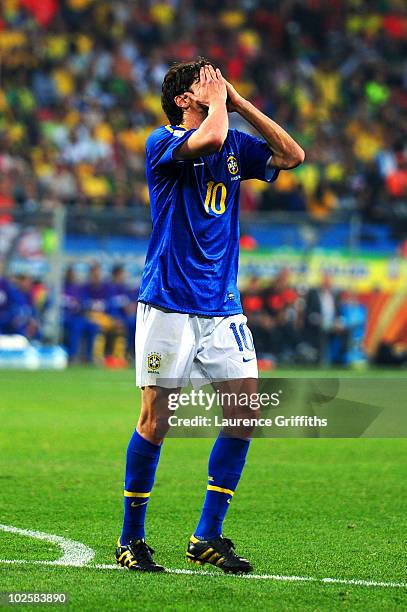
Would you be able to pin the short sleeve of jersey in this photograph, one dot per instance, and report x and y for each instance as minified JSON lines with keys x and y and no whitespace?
{"x":255,"y":155}
{"x":161,"y":144}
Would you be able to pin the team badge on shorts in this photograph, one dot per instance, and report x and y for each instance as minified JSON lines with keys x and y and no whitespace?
{"x":233,"y":166}
{"x":153,"y":363}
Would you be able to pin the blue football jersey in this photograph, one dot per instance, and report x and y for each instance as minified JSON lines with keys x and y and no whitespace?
{"x":192,"y":258}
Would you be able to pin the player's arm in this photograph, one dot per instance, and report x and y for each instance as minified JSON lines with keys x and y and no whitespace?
{"x":212,"y":133}
{"x":286,"y":152}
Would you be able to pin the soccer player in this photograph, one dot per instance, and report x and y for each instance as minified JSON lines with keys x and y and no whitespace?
{"x":26,"y":320}
{"x":122,"y":305}
{"x":189,"y":319}
{"x":96,"y":296}
{"x":7,"y":304}
{"x":77,"y":326}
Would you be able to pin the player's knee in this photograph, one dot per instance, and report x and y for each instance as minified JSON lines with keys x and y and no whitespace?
{"x":153,"y":429}
{"x":153,"y":421}
{"x":240,"y":421}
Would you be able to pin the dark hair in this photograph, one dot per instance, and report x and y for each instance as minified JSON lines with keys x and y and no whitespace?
{"x":69,"y":274}
{"x":117,"y":269}
{"x":177,"y":81}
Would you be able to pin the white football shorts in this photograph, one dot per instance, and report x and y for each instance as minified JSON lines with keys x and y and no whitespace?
{"x":173,"y":348}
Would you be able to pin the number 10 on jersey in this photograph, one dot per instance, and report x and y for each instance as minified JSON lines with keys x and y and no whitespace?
{"x":215,"y":198}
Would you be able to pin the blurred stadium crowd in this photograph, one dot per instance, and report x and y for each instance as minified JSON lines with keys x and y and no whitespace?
{"x":290,"y":326}
{"x":98,"y":316}
{"x":80,"y":91}
{"x":298,"y":326}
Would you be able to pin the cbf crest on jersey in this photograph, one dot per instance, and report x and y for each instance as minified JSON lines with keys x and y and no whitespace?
{"x":153,"y":363}
{"x":233,"y":166}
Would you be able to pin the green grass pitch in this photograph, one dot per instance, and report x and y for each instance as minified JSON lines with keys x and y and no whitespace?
{"x":316,"y":508}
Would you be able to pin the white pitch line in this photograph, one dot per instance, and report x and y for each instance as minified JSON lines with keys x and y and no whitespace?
{"x":368,"y":583}
{"x":74,"y":553}
{"x":187,"y":572}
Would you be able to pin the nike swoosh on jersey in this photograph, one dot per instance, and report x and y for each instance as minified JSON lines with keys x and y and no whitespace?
{"x":246,"y":360}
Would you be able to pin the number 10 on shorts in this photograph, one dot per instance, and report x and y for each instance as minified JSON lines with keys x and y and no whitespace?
{"x":241,"y":337}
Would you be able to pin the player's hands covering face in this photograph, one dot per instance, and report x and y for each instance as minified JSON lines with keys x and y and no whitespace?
{"x":210,"y":89}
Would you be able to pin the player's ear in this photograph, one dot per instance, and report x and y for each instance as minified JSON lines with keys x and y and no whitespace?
{"x":182,"y":101}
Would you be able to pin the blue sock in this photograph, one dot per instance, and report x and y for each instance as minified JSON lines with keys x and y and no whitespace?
{"x":141,"y":465}
{"x":225,"y":467}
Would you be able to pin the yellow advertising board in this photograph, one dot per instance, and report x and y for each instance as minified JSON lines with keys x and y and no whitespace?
{"x":357,"y":272}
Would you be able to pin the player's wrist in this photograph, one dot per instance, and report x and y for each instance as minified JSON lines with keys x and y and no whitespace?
{"x":217,"y":101}
{"x":241,"y":105}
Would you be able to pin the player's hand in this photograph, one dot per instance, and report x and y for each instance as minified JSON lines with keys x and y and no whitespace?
{"x":234,"y":99}
{"x":212,"y":87}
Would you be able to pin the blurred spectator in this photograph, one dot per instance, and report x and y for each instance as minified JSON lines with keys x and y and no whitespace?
{"x":274,"y":318}
{"x":77,"y":327}
{"x":97,"y":294}
{"x":324,"y":329}
{"x":259,"y":322}
{"x":25,"y":315}
{"x":7,"y":304}
{"x":253,"y":298}
{"x":6,"y":198}
{"x":354,"y":317}
{"x":123,"y":305}
{"x":280,"y":294}
{"x":262,"y":328}
{"x":396,"y":182}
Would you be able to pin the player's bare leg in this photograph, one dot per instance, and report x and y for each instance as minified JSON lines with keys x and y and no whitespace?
{"x":153,"y":420}
{"x":143,"y":454}
{"x":243,"y":388}
{"x":226,"y":463}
